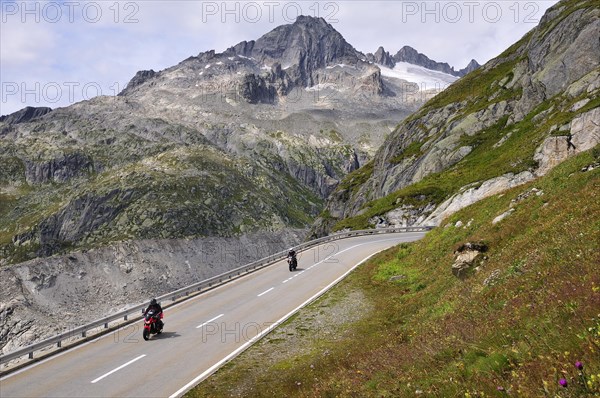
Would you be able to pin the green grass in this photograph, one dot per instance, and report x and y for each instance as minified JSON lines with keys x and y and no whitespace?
{"x":446,"y":337}
{"x":357,"y":178}
{"x":412,"y":150}
{"x":476,"y":89}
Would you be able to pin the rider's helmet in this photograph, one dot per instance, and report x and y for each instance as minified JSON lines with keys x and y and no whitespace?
{"x":153,"y":301}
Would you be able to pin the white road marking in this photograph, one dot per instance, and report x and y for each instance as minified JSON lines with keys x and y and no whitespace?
{"x":266,"y":331}
{"x":324,"y":260}
{"x":209,"y":321}
{"x":265,"y":292}
{"x":117,"y":369}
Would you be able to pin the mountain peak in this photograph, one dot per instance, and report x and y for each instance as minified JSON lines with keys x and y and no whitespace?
{"x":381,"y":57}
{"x":312,"y":21}
{"x":306,"y":45}
{"x":470,"y":67}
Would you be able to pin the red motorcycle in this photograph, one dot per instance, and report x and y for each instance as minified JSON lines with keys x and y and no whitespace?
{"x":152,"y":323}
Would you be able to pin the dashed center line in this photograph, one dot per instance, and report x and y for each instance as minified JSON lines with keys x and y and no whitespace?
{"x":311,"y":267}
{"x":266,"y":291}
{"x":117,"y":369}
{"x":209,"y":321}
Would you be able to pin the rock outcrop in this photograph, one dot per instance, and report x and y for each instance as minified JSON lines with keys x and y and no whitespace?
{"x":475,"y":194}
{"x":583,"y":135}
{"x":140,"y":78}
{"x":59,"y":169}
{"x":382,"y":57}
{"x":467,"y":257}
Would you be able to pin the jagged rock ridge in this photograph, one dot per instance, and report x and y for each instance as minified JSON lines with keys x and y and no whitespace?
{"x":412,"y":56}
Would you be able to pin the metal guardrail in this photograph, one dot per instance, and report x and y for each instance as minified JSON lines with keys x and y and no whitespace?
{"x":195,"y":288}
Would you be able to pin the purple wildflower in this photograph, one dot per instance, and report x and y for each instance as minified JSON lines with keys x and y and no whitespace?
{"x":563,"y":382}
{"x":579,"y":365}
{"x":500,"y":388}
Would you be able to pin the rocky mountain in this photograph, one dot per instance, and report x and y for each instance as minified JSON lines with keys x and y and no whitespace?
{"x":410,"y":55}
{"x":204,"y":148}
{"x":240,"y":146}
{"x":502,"y":125}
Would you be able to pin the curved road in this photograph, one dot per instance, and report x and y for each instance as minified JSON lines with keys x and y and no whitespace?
{"x":200,"y":334}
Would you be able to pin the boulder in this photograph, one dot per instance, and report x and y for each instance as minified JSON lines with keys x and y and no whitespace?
{"x":466,"y":257}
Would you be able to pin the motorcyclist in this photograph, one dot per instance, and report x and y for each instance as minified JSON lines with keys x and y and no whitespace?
{"x":158,"y":309}
{"x":292,"y":255}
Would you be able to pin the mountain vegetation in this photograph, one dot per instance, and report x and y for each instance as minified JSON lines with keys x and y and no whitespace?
{"x":523,"y":320}
{"x":502,"y":298}
{"x":512,"y":120}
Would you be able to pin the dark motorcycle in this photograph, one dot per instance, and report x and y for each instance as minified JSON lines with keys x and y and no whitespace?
{"x":152,"y":323}
{"x":292,"y":263}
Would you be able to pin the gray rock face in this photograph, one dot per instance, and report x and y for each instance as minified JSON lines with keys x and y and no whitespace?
{"x":583,"y":135}
{"x":25,"y":115}
{"x":382,"y":57}
{"x":140,"y":78}
{"x":81,"y":217}
{"x":412,"y":56}
{"x":58,"y":170}
{"x":305,"y":46}
{"x":473,"y":65}
{"x":567,"y":53}
{"x":255,"y":90}
{"x":474,"y":194}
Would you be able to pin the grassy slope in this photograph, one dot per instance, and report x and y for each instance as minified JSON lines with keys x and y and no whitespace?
{"x":434,"y":333}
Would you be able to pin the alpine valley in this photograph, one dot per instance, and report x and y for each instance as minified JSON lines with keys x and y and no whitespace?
{"x":188,"y":165}
{"x":501,"y":297}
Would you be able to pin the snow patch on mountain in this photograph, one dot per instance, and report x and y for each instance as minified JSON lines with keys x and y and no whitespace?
{"x":427,"y":79}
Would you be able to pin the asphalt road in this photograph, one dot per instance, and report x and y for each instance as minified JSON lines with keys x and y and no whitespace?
{"x":199,"y":335}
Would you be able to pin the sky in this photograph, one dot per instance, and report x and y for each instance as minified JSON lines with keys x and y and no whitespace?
{"x":54,"y":53}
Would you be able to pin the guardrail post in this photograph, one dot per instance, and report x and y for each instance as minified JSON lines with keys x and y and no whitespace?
{"x":30,"y":354}
{"x":59,"y":343}
{"x":106,"y":325}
